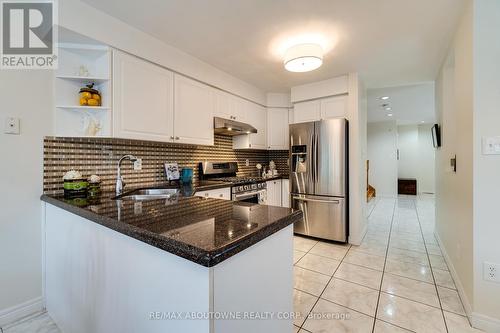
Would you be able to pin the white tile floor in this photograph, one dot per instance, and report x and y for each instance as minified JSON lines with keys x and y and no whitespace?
{"x":396,"y":281}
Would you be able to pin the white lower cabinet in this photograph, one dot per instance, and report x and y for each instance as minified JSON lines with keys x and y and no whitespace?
{"x":285,"y":193}
{"x":274,"y":192}
{"x":221,"y":193}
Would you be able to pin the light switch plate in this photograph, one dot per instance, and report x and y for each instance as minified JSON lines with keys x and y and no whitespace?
{"x":12,"y":125}
{"x":491,"y":145}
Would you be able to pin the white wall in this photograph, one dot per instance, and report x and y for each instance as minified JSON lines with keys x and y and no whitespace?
{"x":27,"y":95}
{"x":486,"y":187}
{"x":408,"y":151}
{"x":454,"y":219}
{"x":416,"y":156}
{"x":382,"y":145}
{"x":427,"y":164}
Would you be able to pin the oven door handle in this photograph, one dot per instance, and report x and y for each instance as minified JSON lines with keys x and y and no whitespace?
{"x":247,"y":195}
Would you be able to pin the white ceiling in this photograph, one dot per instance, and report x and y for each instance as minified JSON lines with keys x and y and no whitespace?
{"x":410,"y":104}
{"x":389,"y":42}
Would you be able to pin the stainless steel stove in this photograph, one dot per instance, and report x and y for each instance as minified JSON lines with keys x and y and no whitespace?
{"x":243,"y":188}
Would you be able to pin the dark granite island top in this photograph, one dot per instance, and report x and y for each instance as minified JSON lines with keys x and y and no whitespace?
{"x":203,"y":230}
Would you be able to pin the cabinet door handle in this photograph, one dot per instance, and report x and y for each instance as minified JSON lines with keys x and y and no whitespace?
{"x":177,"y":138}
{"x":171,"y":137}
{"x":221,"y":195}
{"x":206,"y":194}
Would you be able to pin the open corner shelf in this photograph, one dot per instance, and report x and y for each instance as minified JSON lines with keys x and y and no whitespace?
{"x":83,"y":107}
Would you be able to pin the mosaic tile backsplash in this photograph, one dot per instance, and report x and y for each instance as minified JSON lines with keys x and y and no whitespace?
{"x":100,"y":156}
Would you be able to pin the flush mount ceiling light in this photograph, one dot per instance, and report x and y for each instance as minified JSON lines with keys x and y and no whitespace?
{"x":384,"y":98}
{"x":303,"y":58}
{"x":389,"y":115}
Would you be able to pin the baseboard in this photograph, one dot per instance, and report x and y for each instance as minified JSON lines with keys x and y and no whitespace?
{"x":485,"y":323}
{"x":19,"y":311}
{"x":456,"y":279}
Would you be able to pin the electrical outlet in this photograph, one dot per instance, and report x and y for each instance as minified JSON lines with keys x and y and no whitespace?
{"x":12,"y":125}
{"x":138,"y":164}
{"x":247,"y":162}
{"x":491,"y":272}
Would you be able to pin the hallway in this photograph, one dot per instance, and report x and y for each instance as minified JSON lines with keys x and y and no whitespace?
{"x":397,"y":275}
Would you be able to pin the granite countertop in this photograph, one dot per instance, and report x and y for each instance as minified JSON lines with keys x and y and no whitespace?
{"x":203,"y":230}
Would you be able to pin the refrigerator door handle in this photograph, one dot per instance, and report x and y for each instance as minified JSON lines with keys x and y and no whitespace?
{"x":310,"y":157}
{"x":316,"y":200}
{"x":316,"y":158}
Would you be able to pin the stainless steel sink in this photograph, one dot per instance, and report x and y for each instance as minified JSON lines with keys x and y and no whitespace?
{"x":148,"y":194}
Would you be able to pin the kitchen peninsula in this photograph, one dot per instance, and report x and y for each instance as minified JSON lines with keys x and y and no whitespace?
{"x":151,"y":266}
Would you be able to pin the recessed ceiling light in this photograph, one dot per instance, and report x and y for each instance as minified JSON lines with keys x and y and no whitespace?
{"x":384,"y":98}
{"x":422,"y":121}
{"x":388,"y":109}
{"x":389,"y":115}
{"x":303,"y":58}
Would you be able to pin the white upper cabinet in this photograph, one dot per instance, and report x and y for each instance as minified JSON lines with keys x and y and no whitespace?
{"x":334,"y":107}
{"x":306,"y":111}
{"x":277,"y":128}
{"x":142,"y":99}
{"x":331,"y":107}
{"x":229,"y":106}
{"x":194,"y":109}
{"x":256,"y":116}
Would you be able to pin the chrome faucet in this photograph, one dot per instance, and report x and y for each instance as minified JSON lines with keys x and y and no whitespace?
{"x":120,"y":184}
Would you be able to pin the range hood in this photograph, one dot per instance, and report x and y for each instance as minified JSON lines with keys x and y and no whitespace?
{"x":232,"y":127}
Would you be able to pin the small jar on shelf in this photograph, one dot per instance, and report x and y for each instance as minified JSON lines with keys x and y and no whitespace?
{"x":90,"y":96}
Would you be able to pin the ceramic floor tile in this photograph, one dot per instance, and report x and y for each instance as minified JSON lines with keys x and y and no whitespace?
{"x":438,"y":262}
{"x":371,"y":248}
{"x":302,"y":304}
{"x":418,"y":291}
{"x":303,"y":244}
{"x":297,"y":255}
{"x":410,"y":315}
{"x":332,"y":251}
{"x":407,"y":245}
{"x":309,"y":281}
{"x":443,"y":278}
{"x":342,"y":320}
{"x":433,"y":249}
{"x":319,"y":264}
{"x":351,"y":295}
{"x":408,"y":256}
{"x":365,"y":259}
{"x":458,"y":324}
{"x":39,"y":323}
{"x":412,"y":271}
{"x":361,"y":275}
{"x":383,"y":327}
{"x":450,"y":300}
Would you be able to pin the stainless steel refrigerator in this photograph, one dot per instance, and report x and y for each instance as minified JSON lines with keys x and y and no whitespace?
{"x":319,"y":177}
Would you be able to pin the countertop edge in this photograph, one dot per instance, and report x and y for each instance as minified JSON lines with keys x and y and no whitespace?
{"x":186,"y":251}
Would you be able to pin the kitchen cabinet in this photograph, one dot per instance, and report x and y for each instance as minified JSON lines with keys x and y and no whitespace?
{"x":194,"y":108}
{"x":256,"y":116}
{"x":142,"y":99}
{"x":285,"y":193}
{"x":229,"y":107}
{"x":221,"y":193}
{"x":274,"y":192}
{"x":334,"y":107}
{"x":306,"y":111}
{"x":324,"y":108}
{"x":277,"y":129}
